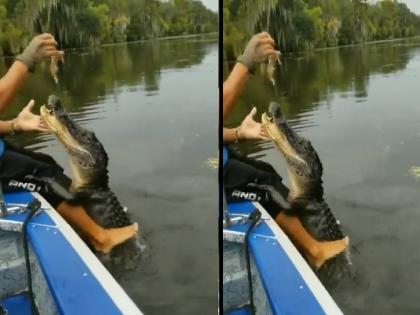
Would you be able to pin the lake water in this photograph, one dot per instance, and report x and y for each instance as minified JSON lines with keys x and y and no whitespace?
{"x":360,"y":107}
{"x":153,"y":105}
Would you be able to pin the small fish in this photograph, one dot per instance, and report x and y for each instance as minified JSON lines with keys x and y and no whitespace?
{"x":54,"y":66}
{"x":271,"y":67}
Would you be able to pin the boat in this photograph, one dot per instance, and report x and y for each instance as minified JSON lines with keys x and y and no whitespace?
{"x":63,"y":276}
{"x":263,"y":272}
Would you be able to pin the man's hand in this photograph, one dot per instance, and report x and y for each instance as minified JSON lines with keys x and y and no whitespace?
{"x":257,"y":51}
{"x":27,"y":121}
{"x":40,"y":48}
{"x":250,"y":129}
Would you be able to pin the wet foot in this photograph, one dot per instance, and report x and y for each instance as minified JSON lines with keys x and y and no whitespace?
{"x":325,"y":251}
{"x":114,"y":237}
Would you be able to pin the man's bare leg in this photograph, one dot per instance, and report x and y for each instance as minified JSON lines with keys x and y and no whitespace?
{"x":315,"y":251}
{"x":102,"y":239}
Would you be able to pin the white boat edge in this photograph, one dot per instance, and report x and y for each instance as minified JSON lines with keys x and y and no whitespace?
{"x":324,"y":298}
{"x":109,"y":284}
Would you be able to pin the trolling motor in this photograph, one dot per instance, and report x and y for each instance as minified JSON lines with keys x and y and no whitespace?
{"x":227,"y":221}
{"x":3,"y":207}
{"x":8,"y":209}
{"x":228,"y":218}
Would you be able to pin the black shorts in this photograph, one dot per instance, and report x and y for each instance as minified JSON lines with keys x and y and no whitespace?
{"x":240,"y":171}
{"x":16,"y":163}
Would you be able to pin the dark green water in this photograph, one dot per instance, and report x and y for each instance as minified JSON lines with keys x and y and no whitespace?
{"x":360,"y":107}
{"x":154,"y":107}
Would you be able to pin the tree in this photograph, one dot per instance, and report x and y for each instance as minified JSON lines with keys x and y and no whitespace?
{"x":306,"y":24}
{"x":76,"y":23}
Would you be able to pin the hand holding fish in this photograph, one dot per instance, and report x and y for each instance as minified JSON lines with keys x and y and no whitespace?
{"x":28,"y":121}
{"x":40,"y":48}
{"x":250,"y":129}
{"x":258,"y":50}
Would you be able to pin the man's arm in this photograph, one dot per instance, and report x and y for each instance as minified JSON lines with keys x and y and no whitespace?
{"x":230,"y":135}
{"x":40,"y":48}
{"x":9,"y":85}
{"x":249,"y":129}
{"x":25,"y":121}
{"x":7,"y":127}
{"x":256,"y":51}
{"x":233,"y":87}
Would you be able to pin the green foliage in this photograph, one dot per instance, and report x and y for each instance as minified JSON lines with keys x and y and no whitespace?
{"x":318,"y":23}
{"x":305,"y":24}
{"x":77,"y":23}
{"x":100,"y":12}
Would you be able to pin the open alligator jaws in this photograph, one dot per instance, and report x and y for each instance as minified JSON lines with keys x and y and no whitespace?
{"x":90,"y":185}
{"x":304,"y":171}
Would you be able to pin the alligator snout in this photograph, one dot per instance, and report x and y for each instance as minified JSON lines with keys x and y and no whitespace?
{"x":274,"y":112}
{"x":54,"y":103}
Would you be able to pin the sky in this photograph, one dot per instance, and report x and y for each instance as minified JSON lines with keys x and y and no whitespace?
{"x":414,"y":5}
{"x":213,"y":4}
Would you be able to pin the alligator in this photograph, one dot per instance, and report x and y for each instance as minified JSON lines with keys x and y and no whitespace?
{"x":90,"y":185}
{"x":306,"y":194}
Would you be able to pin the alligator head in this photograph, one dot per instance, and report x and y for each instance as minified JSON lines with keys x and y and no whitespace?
{"x":303,"y":164}
{"x":88,"y":159}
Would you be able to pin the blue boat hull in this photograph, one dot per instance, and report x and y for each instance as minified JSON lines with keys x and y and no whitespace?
{"x":67,"y":277}
{"x":282,"y":281}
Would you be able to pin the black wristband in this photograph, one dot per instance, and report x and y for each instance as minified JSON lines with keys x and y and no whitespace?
{"x":247,"y":62}
{"x":29,"y":63}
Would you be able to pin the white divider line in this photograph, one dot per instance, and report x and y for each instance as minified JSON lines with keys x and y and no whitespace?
{"x":324,"y":298}
{"x":110,"y":285}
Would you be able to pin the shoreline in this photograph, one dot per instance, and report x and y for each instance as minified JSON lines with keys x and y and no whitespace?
{"x":160,"y":38}
{"x":382,"y":41}
{"x":128,"y":42}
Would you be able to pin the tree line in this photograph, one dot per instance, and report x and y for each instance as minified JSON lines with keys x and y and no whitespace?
{"x":79,"y":23}
{"x":306,"y":24}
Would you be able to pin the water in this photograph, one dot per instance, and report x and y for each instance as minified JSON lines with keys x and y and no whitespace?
{"x":154,"y":107}
{"x":359,"y":106}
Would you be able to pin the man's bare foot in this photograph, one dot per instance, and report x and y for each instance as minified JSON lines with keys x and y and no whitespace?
{"x":326,"y":250}
{"x":113,"y":237}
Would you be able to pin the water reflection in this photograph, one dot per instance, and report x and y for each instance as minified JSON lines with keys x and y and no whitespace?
{"x":304,"y":82}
